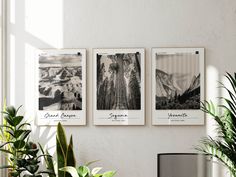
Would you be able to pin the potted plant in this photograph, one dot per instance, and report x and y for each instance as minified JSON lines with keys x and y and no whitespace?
{"x":22,"y":154}
{"x":66,"y":159}
{"x":223,"y":147}
{"x":85,"y":171}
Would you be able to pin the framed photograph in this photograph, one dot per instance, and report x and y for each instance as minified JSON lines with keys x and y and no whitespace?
{"x":119,"y":86}
{"x":177,"y":86}
{"x":61,"y":87}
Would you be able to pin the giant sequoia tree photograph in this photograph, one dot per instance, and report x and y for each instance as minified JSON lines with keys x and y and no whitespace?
{"x":118,"y":81}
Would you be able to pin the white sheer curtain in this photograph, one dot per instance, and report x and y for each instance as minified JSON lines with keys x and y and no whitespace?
{"x":2,"y":51}
{"x":2,"y":65}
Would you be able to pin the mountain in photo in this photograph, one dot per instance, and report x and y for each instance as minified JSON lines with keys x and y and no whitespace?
{"x":166,"y":84}
{"x":60,"y":88}
{"x":59,"y":73}
{"x":194,"y":84}
{"x":172,"y":92}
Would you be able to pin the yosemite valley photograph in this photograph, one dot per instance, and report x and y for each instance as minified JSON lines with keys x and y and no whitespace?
{"x":177,"y":81}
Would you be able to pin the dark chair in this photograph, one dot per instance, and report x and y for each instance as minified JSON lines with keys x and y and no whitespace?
{"x":183,"y":165}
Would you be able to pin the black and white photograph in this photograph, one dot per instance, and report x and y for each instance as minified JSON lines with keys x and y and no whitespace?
{"x":119,"y":81}
{"x":177,"y":84}
{"x":60,"y":81}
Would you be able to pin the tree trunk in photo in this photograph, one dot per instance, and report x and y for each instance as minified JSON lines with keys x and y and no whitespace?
{"x":137,"y":65}
{"x":134,"y":98}
{"x":99,"y":72}
{"x":120,"y":87}
{"x":100,"y":84}
{"x":110,"y":93}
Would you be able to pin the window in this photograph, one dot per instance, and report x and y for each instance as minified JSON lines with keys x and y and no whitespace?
{"x":2,"y":53}
{"x":2,"y":64}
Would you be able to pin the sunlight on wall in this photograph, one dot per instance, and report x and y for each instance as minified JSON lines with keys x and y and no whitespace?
{"x":212,"y":78}
{"x":12,"y":88}
{"x":49,"y":136}
{"x":225,"y":81}
{"x":46,"y":135}
{"x":44,"y":20}
{"x":29,"y":80}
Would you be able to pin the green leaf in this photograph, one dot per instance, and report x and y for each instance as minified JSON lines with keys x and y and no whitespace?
{"x":11,"y":111}
{"x":71,"y":141}
{"x":25,"y":134}
{"x":27,"y":175}
{"x":10,"y":132}
{"x":18,"y":108}
{"x":49,"y":172}
{"x":2,"y":145}
{"x":212,"y":107}
{"x":15,"y":173}
{"x":9,"y":120}
{"x":6,"y":151}
{"x":231,"y":80}
{"x":71,"y":170}
{"x":61,"y":148}
{"x":20,"y":162}
{"x":19,"y":144}
{"x":60,"y":158}
{"x":41,"y":148}
{"x":43,"y":155}
{"x":6,"y":166}
{"x":17,"y":120}
{"x":89,"y":163}
{"x":32,"y":152}
{"x":4,"y":112}
{"x":49,"y":162}
{"x":33,"y":161}
{"x":96,"y":170}
{"x":32,"y":168}
{"x":98,"y":175}
{"x":83,"y":171}
{"x":70,"y":157}
{"x":61,"y":135}
{"x":18,"y":133}
{"x":109,"y":174}
{"x":22,"y":125}
{"x":6,"y":126}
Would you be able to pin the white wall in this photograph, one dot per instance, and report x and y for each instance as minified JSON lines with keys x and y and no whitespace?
{"x":131,"y":150}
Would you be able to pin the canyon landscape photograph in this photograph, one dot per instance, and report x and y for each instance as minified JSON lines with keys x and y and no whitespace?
{"x":60,"y":82}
